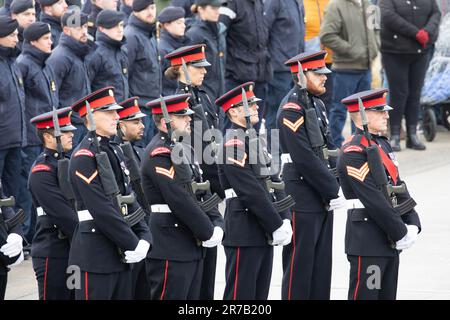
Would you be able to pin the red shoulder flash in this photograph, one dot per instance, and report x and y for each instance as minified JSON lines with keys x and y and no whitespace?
{"x":291,"y":105}
{"x":83,"y":152}
{"x":234,"y":142}
{"x":40,"y":167}
{"x":353,"y":149}
{"x":160,"y":150}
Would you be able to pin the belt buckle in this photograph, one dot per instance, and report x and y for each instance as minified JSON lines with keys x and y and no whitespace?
{"x":124,"y":209}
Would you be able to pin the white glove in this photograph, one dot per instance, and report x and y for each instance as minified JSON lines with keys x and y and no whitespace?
{"x":283,"y":235}
{"x":13,"y":245}
{"x":338,"y":203}
{"x":409,"y":239}
{"x":215,"y":239}
{"x":18,"y":261}
{"x":136,"y":255}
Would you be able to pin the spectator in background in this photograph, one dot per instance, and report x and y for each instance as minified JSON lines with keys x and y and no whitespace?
{"x":186,"y":5}
{"x":40,"y":97}
{"x":248,"y":56}
{"x":172,"y":36}
{"x":145,"y":71}
{"x":208,"y":30}
{"x":68,"y":64}
{"x":108,"y":65}
{"x":354,"y":43}
{"x":6,"y":9}
{"x":285,"y":20}
{"x":314,"y":10}
{"x":97,"y":6}
{"x":51,"y":13}
{"x":408,"y":31}
{"x":12,"y":108}
{"x":25,"y":14}
{"x":126,"y":8}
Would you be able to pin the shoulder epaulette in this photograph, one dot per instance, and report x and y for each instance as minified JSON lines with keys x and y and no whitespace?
{"x":160,"y":150}
{"x":40,"y":167}
{"x":234,"y":142}
{"x":84,"y":152}
{"x":291,"y":105}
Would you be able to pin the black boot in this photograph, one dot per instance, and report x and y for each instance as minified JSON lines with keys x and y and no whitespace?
{"x":395,"y":138}
{"x":412,"y":141}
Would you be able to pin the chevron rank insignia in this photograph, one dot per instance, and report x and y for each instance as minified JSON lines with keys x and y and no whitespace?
{"x":168,"y":173}
{"x":293,"y":125}
{"x":359,"y":174}
{"x":240,"y":163}
{"x":291,"y":105}
{"x":88,"y":180}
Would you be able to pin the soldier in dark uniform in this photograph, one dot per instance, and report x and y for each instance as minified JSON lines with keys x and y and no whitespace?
{"x":179,"y":224}
{"x":309,"y":180}
{"x":25,"y":13}
{"x":11,"y":253}
{"x":56,"y":215}
{"x":252,"y":224}
{"x":131,"y":129}
{"x":376,"y":231}
{"x":104,"y":244}
{"x":206,"y":115}
{"x":97,"y":7}
{"x":51,"y":13}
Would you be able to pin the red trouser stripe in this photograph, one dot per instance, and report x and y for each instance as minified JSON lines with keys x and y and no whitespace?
{"x":166,"y":271}
{"x":293,"y":255}
{"x":359,"y":276}
{"x":45,"y":278}
{"x":237,"y":273}
{"x":86,"y":286}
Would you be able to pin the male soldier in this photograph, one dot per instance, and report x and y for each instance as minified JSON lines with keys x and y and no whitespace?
{"x":57,"y":217}
{"x":145,"y":71}
{"x":10,"y":241}
{"x":51,"y":13}
{"x":108,"y":65}
{"x":379,"y":225}
{"x":6,"y":9}
{"x":178,"y":221}
{"x":24,"y":12}
{"x":97,"y":7}
{"x":104,"y":243}
{"x":304,"y":140}
{"x":131,"y":129}
{"x":68,"y":63}
{"x":202,"y":138}
{"x":12,"y":106}
{"x":252,"y":222}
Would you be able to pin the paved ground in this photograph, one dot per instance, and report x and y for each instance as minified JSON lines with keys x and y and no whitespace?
{"x":424,"y":269}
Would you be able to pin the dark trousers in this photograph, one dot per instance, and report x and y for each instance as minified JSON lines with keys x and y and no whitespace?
{"x":51,"y":277}
{"x":405,"y":74}
{"x":209,"y":274}
{"x":248,"y":272}
{"x":10,"y":164}
{"x":105,"y":286}
{"x":260,"y":91}
{"x":373,"y":278}
{"x":307,"y":259}
{"x":141,"y":289}
{"x":24,"y":200}
{"x":3,"y":282}
{"x":175,"y":280}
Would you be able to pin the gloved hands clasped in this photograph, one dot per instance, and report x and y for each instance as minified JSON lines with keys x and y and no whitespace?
{"x":283,"y":235}
{"x":338,"y":203}
{"x":13,"y":245}
{"x":215,"y":239}
{"x":409,"y":239}
{"x":136,"y":255}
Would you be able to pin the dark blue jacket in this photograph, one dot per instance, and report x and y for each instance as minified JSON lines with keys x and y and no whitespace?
{"x":213,"y":35}
{"x":127,"y":10}
{"x":167,"y":44}
{"x":92,"y":28}
{"x":40,"y":88}
{"x":55,"y":25}
{"x":68,"y":64}
{"x":145,"y":72}
{"x":248,"y":57}
{"x":12,"y":101}
{"x":108,"y":66}
{"x":285,"y":20}
{"x":6,"y":9}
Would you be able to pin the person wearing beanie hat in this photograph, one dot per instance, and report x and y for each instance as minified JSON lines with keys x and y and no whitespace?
{"x":126,"y":6}
{"x":187,"y":5}
{"x":50,"y":247}
{"x":207,"y":30}
{"x":40,"y":96}
{"x":143,"y":59}
{"x":6,"y":9}
{"x":25,"y":14}
{"x":12,"y":121}
{"x":108,"y":65}
{"x":171,"y":29}
{"x":51,"y":13}
{"x":68,"y":63}
{"x":96,"y":8}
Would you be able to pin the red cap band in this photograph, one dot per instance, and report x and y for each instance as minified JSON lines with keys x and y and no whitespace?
{"x":172,"y":107}
{"x":314,"y":64}
{"x":236,"y":99}
{"x":367,"y":104}
{"x":49,"y":123}
{"x":128,"y":112}
{"x":192,"y":57}
{"x":97,"y":104}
